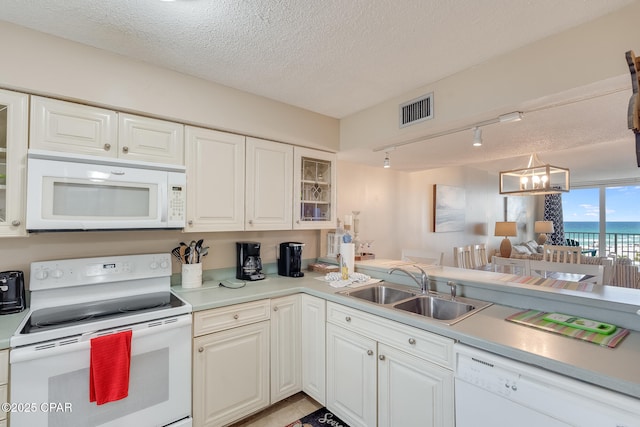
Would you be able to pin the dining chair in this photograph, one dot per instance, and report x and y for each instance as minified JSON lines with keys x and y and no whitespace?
{"x":626,"y":276}
{"x":510,"y":265}
{"x":462,"y":257}
{"x":562,"y":254}
{"x":479,"y":255}
{"x":588,"y":273}
{"x":420,"y":256}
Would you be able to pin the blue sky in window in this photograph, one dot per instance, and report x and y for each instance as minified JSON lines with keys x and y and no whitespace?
{"x":623,"y":204}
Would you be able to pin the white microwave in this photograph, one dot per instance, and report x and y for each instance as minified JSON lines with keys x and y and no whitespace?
{"x":77,"y":192}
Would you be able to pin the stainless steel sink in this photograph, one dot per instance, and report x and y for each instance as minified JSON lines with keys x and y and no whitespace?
{"x":381,"y":294}
{"x":437,"y":308}
{"x":440,"y":307}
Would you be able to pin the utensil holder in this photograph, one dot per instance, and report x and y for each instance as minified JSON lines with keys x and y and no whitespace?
{"x":191,"y":275}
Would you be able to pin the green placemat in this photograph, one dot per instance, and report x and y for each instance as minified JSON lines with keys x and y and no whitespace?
{"x":534,"y":318}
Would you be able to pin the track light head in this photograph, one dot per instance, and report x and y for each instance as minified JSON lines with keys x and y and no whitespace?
{"x":387,"y":162}
{"x":477,"y":137}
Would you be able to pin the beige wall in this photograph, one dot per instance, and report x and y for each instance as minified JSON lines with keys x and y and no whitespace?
{"x":498,"y":86}
{"x":397,"y":208}
{"x":37,"y":63}
{"x":18,"y":253}
{"x":34,"y":62}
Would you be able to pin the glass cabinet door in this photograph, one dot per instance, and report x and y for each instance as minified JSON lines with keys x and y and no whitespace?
{"x":13,"y":152}
{"x":315,"y":189}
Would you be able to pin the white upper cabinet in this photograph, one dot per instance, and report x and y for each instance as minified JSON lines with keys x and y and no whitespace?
{"x":314,"y":190}
{"x":75,"y":128}
{"x":215,"y":180}
{"x":269,"y":187}
{"x":14,"y":115}
{"x":66,"y":126}
{"x":153,"y":140}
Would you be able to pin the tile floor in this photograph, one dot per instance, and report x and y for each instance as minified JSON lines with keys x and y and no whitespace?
{"x":282,"y":413}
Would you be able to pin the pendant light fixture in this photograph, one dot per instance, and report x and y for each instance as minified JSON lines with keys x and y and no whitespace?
{"x":536,"y":178}
{"x":387,"y":162}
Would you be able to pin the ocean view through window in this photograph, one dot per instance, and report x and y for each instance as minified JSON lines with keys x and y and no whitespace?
{"x":604,"y":221}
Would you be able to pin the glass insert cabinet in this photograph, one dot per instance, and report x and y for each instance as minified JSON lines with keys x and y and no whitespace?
{"x":14,"y":108}
{"x":314,"y":181}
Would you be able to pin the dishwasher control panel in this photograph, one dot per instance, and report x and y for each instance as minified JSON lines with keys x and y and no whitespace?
{"x":486,"y":375}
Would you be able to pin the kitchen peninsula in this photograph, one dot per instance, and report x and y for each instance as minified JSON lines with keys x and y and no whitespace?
{"x":612,"y":369}
{"x":487,"y":329}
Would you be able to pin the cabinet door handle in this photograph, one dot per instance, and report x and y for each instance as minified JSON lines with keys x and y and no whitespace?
{"x":250,"y":222}
{"x":190,"y":222}
{"x":107,"y":147}
{"x":125,"y":149}
{"x":370,"y":352}
{"x":381,"y":357}
{"x":200,"y":350}
{"x":348,"y":319}
{"x":412,"y":341}
{"x":275,"y":308}
{"x":15,"y":222}
{"x":235,"y":316}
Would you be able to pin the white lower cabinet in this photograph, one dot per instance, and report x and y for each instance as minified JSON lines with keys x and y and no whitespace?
{"x":286,"y":371}
{"x":314,"y":347}
{"x":4,"y":384}
{"x":230,"y":364}
{"x":351,"y":376}
{"x":245,"y":357}
{"x":412,"y":391}
{"x":384,"y":373}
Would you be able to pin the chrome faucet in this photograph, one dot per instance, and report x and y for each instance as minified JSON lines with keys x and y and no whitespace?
{"x":453,"y":289}
{"x":424,"y":277}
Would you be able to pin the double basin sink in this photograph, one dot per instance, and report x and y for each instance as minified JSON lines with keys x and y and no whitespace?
{"x":436,"y":306}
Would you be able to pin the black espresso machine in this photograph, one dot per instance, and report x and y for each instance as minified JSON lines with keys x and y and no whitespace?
{"x":12,"y":294}
{"x":248,"y":262}
{"x":290,"y":259}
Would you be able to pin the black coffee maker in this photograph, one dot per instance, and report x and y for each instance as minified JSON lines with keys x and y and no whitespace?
{"x":248,"y":262}
{"x":12,"y":292}
{"x":290,"y":259}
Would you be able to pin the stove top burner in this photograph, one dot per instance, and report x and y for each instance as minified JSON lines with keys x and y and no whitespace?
{"x":60,"y":317}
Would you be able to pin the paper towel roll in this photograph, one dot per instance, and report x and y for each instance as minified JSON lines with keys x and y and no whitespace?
{"x":348,"y":254}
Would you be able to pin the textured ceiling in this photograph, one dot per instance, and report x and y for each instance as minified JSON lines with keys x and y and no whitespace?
{"x":337,"y":57}
{"x":334,"y":57}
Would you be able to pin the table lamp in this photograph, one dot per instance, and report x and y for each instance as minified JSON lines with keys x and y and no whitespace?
{"x":506,"y":229}
{"x":543,"y":227}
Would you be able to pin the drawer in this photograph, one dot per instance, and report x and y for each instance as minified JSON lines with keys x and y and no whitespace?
{"x":420,"y":343}
{"x":219,"y":319}
{"x":4,"y":366}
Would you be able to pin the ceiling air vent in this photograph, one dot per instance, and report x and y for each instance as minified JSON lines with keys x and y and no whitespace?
{"x":417,"y":110}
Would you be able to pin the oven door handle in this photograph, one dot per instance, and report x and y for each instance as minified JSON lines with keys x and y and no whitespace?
{"x":83,"y":342}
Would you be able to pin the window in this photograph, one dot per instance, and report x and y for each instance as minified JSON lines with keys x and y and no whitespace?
{"x":604,"y":220}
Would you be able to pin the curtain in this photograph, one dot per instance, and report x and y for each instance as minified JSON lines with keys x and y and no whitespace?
{"x":553,"y":212}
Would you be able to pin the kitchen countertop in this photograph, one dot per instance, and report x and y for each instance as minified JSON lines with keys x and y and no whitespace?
{"x":8,"y":325}
{"x":615,"y":369}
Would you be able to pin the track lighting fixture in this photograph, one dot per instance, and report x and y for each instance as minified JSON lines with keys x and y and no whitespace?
{"x":514,"y":116}
{"x":387,"y":162}
{"x":477,"y":137}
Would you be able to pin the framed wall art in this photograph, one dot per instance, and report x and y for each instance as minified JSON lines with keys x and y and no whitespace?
{"x":449,"y":208}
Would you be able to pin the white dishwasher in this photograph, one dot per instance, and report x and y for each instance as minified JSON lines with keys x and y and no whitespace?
{"x":493,"y":391}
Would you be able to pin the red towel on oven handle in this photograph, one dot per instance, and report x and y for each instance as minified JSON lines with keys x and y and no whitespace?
{"x":109,"y":367}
